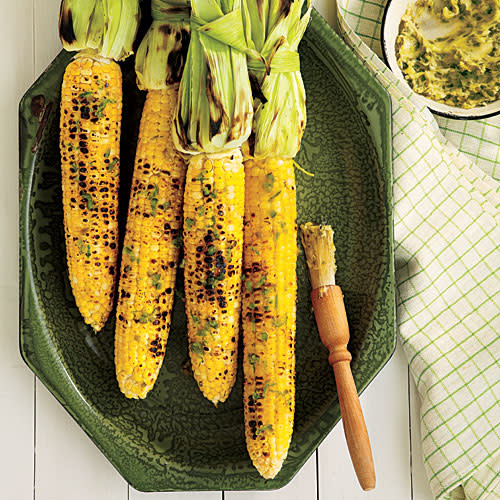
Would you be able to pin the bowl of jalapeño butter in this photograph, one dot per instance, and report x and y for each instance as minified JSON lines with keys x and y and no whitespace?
{"x":448,"y":52}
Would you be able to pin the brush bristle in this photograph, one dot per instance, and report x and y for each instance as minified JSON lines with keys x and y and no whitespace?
{"x":317,"y":241}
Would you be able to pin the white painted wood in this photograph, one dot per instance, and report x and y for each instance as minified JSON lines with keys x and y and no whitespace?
{"x":16,"y":381}
{"x":301,"y":487}
{"x":47,"y":41}
{"x":195,"y":495}
{"x":68,"y":464}
{"x":420,"y":486}
{"x":385,"y":407}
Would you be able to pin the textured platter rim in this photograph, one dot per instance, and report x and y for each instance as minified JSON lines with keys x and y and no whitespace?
{"x":330,"y":43}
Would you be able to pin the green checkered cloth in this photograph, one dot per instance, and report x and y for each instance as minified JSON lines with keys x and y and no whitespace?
{"x":447,"y":231}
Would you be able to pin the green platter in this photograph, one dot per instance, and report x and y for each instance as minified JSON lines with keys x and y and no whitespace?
{"x":175,"y":439}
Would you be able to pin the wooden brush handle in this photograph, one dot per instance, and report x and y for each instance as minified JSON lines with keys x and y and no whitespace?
{"x":331,"y":318}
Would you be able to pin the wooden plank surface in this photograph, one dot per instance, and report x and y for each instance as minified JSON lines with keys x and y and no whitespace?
{"x":66,"y":464}
{"x":385,"y":406}
{"x":16,"y":381}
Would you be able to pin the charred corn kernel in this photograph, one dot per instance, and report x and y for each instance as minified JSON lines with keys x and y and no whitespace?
{"x":91,"y":105}
{"x":213,"y":242}
{"x":268,"y":312}
{"x":151,"y":249}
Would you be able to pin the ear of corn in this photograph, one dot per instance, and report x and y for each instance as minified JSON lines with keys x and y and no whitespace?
{"x":91,"y":103}
{"x":213,"y":237}
{"x":151,"y":250}
{"x":270,"y":248}
{"x":91,"y":106}
{"x":153,"y":236}
{"x":269,"y":295}
{"x":103,"y":27}
{"x":213,"y":119}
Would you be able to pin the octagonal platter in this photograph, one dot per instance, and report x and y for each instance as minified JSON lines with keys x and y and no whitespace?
{"x":175,"y":439}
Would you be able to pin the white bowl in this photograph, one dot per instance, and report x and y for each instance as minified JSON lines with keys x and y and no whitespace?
{"x":393,"y":13}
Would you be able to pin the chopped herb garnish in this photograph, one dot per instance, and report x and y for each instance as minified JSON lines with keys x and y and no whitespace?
{"x":129,"y":251}
{"x":153,"y":198}
{"x":268,"y":185}
{"x":248,"y":286}
{"x":272,"y":214}
{"x":253,"y":359}
{"x":263,"y":428}
{"x":256,"y":396}
{"x":102,"y":105}
{"x":85,"y":249}
{"x":229,"y":254}
{"x":107,"y":153}
{"x":89,"y":200}
{"x":145,"y":317}
{"x":262,"y":280}
{"x":276,"y":235}
{"x":127,"y":269}
{"x":197,"y":348}
{"x":156,"y":281}
{"x":277,"y":323}
{"x":201,"y":210}
{"x":267,"y":385}
{"x":74,"y":167}
{"x":195,"y":319}
{"x":211,"y":250}
{"x":275,"y":195}
{"x":252,"y":305}
{"x":84,"y":95}
{"x":189,"y":223}
{"x":113,"y":164}
{"x":263,"y":336}
{"x":177,"y":241}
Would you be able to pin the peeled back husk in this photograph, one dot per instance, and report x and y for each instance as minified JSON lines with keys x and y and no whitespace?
{"x":162,"y":53}
{"x":215,"y":107}
{"x":277,"y":27}
{"x":104,"y":27}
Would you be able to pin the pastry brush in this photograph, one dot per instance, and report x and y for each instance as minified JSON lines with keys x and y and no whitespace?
{"x":331,"y":318}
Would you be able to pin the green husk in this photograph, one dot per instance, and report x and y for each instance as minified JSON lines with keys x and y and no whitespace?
{"x":103,"y":27}
{"x":215,"y":106}
{"x":277,"y":27}
{"x":162,"y":53}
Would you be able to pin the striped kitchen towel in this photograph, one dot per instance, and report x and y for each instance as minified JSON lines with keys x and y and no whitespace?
{"x":447,"y":231}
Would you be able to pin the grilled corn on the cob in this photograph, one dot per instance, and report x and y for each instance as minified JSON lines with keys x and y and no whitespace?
{"x":213,"y":120}
{"x":270,"y":249}
{"x":91,"y":104}
{"x":213,"y":234}
{"x":153,"y":236}
{"x":269,"y":295}
{"x":150,"y":251}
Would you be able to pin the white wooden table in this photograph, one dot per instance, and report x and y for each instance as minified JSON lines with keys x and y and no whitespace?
{"x":45,"y":455}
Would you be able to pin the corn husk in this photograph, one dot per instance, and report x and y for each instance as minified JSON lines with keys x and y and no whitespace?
{"x":160,"y":58}
{"x":103,"y":27}
{"x":215,"y":105}
{"x":277,"y":27}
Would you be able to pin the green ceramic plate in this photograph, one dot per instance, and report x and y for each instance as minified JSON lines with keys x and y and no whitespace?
{"x":175,"y":439}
